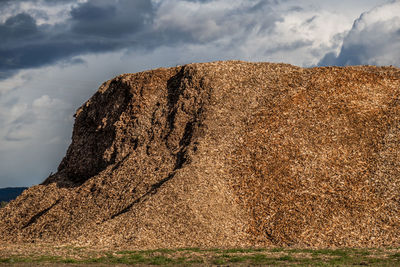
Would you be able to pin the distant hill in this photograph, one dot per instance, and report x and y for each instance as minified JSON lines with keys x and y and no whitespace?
{"x":10,"y":193}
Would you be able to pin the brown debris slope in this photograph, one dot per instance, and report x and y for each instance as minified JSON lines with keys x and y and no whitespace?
{"x":226,"y":154}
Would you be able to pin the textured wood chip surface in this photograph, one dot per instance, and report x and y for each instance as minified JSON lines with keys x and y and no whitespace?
{"x":226,"y":154}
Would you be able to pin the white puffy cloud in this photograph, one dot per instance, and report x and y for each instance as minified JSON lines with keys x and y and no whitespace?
{"x":374,"y":39}
{"x":277,"y":31}
{"x":300,"y":38}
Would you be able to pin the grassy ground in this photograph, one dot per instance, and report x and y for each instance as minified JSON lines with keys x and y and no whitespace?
{"x":228,"y":257}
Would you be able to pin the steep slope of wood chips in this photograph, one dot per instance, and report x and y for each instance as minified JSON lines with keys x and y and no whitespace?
{"x":226,"y":154}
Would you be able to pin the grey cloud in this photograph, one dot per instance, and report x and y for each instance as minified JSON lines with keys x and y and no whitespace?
{"x":352,"y":54}
{"x":5,"y":74}
{"x":11,"y":136}
{"x":17,"y":28}
{"x":104,"y":18}
{"x":310,"y":19}
{"x":57,"y":2}
{"x":52,"y":2}
{"x":11,"y":102}
{"x":39,"y":53}
{"x":201,"y":1}
{"x":99,"y":26}
{"x":328,"y":60}
{"x":371,"y":41}
{"x":296,"y":9}
{"x":94,"y":26}
{"x":269,"y":16}
{"x":201,"y":25}
{"x":88,"y":12}
{"x":16,"y":129}
{"x":3,"y":2}
{"x":289,"y":46}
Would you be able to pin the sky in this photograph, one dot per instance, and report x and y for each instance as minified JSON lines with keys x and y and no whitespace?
{"x":55,"y":54}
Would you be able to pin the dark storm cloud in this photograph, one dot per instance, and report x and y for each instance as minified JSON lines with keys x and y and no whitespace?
{"x":18,"y":28}
{"x":101,"y":25}
{"x":94,"y":26}
{"x":105,"y":19}
{"x":51,"y":2}
{"x":14,"y":31}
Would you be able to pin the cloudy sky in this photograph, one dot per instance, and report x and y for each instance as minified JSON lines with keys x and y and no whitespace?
{"x":55,"y":54}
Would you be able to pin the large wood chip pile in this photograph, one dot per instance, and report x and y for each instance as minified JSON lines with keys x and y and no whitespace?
{"x":226,"y":154}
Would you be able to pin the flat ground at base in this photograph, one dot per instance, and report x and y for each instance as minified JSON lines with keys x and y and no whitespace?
{"x":59,"y":255}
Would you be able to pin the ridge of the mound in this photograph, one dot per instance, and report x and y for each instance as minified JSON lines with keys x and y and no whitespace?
{"x":226,"y":154}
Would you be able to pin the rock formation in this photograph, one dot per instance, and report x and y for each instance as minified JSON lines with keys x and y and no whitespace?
{"x":226,"y":154}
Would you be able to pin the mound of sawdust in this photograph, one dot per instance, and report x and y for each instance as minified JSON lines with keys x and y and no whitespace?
{"x":226,"y":154}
